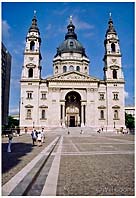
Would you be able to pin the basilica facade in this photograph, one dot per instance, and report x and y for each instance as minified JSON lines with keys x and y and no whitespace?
{"x":71,"y":97}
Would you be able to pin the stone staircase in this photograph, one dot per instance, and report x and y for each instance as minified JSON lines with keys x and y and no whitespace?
{"x":74,"y":131}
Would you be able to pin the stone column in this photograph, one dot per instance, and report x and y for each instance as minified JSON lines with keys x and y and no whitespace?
{"x":63,"y":115}
{"x":82,"y":115}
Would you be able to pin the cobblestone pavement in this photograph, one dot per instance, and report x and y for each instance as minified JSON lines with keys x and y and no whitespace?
{"x":99,"y":165}
{"x":90,"y":165}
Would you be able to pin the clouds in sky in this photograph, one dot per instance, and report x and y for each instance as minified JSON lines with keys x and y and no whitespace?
{"x":81,"y":24}
{"x":126,"y":94}
{"x":49,"y":27}
{"x":14,"y":110}
{"x":5,"y":29}
{"x":61,"y":12}
{"x":91,"y":22}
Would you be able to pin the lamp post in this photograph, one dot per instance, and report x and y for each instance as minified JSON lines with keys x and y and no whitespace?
{"x":33,"y":124}
{"x":114,"y":125}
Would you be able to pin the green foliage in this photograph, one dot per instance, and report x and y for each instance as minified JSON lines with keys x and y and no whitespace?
{"x":12,"y":122}
{"x":129,"y":121}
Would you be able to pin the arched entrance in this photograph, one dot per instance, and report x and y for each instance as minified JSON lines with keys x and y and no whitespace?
{"x":73,"y":109}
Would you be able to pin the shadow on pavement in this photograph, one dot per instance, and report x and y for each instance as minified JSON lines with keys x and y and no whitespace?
{"x":9,"y":160}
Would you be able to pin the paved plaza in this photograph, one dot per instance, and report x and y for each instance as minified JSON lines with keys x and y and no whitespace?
{"x":87,"y":164}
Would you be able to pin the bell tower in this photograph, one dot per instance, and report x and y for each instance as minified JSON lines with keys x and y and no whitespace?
{"x":114,"y":79}
{"x":32,"y":55}
{"x":112,"y":58}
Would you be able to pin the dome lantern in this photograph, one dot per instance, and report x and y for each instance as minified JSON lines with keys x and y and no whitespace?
{"x":71,"y":43}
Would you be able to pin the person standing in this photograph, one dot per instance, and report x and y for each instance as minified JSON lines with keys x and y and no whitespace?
{"x":34,"y":136}
{"x":39,"y":138}
{"x":43,"y":135}
{"x":10,"y":136}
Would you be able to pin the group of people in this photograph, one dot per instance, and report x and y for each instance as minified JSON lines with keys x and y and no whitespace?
{"x":100,"y":130}
{"x":38,"y":136}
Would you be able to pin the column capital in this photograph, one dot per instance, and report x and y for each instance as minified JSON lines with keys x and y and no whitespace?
{"x":83,"y":102}
{"x":62,"y":102}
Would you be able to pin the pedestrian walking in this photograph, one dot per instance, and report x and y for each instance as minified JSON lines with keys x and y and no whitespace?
{"x":99,"y":131}
{"x":39,"y":138}
{"x":34,"y":136}
{"x":10,"y":137}
{"x":43,"y":135}
{"x":81,"y":132}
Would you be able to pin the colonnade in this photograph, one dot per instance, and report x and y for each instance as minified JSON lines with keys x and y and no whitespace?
{"x":82,"y":118}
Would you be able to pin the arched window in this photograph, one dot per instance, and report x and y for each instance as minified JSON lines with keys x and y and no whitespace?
{"x":85,"y":69}
{"x":43,"y":114}
{"x":28,"y":113}
{"x":56,"y":69}
{"x":64,"y":68}
{"x":30,"y":73}
{"x":114,"y":74}
{"x":115,"y":114}
{"x":102,"y":114}
{"x":32,"y":45}
{"x":113,"y":47}
{"x":71,"y":43}
{"x":71,"y":68}
{"x":78,"y":68}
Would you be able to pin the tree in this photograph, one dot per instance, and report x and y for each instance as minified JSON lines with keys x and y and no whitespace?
{"x":12,"y":122}
{"x":129,"y":121}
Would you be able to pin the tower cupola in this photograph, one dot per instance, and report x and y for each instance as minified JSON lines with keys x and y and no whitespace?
{"x":34,"y":27}
{"x":32,"y":55}
{"x":112,"y":56}
{"x":111,"y":29}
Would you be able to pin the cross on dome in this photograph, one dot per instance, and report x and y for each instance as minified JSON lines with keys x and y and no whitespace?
{"x":34,"y":13}
{"x":70,"y":19}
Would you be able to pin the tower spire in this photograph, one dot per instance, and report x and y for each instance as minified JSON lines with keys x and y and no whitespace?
{"x":112,"y":57}
{"x":70,"y":19}
{"x":35,"y":13}
{"x":111,"y":28}
{"x":34,"y":27}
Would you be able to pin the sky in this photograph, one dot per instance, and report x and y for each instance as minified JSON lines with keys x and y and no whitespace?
{"x":91,"y":22}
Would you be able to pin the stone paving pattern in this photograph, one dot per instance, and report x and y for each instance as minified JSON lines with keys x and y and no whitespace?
{"x":97,"y":174}
{"x":85,"y":167}
{"x":22,"y":153}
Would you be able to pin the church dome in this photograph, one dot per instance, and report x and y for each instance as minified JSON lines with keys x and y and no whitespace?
{"x":70,"y":44}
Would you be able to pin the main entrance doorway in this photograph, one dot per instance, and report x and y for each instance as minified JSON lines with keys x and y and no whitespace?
{"x":72,"y":121}
{"x":73,"y":109}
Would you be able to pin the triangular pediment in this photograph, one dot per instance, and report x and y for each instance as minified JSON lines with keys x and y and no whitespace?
{"x":72,"y":75}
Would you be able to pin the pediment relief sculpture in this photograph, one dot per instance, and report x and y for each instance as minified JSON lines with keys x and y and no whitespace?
{"x":72,"y":76}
